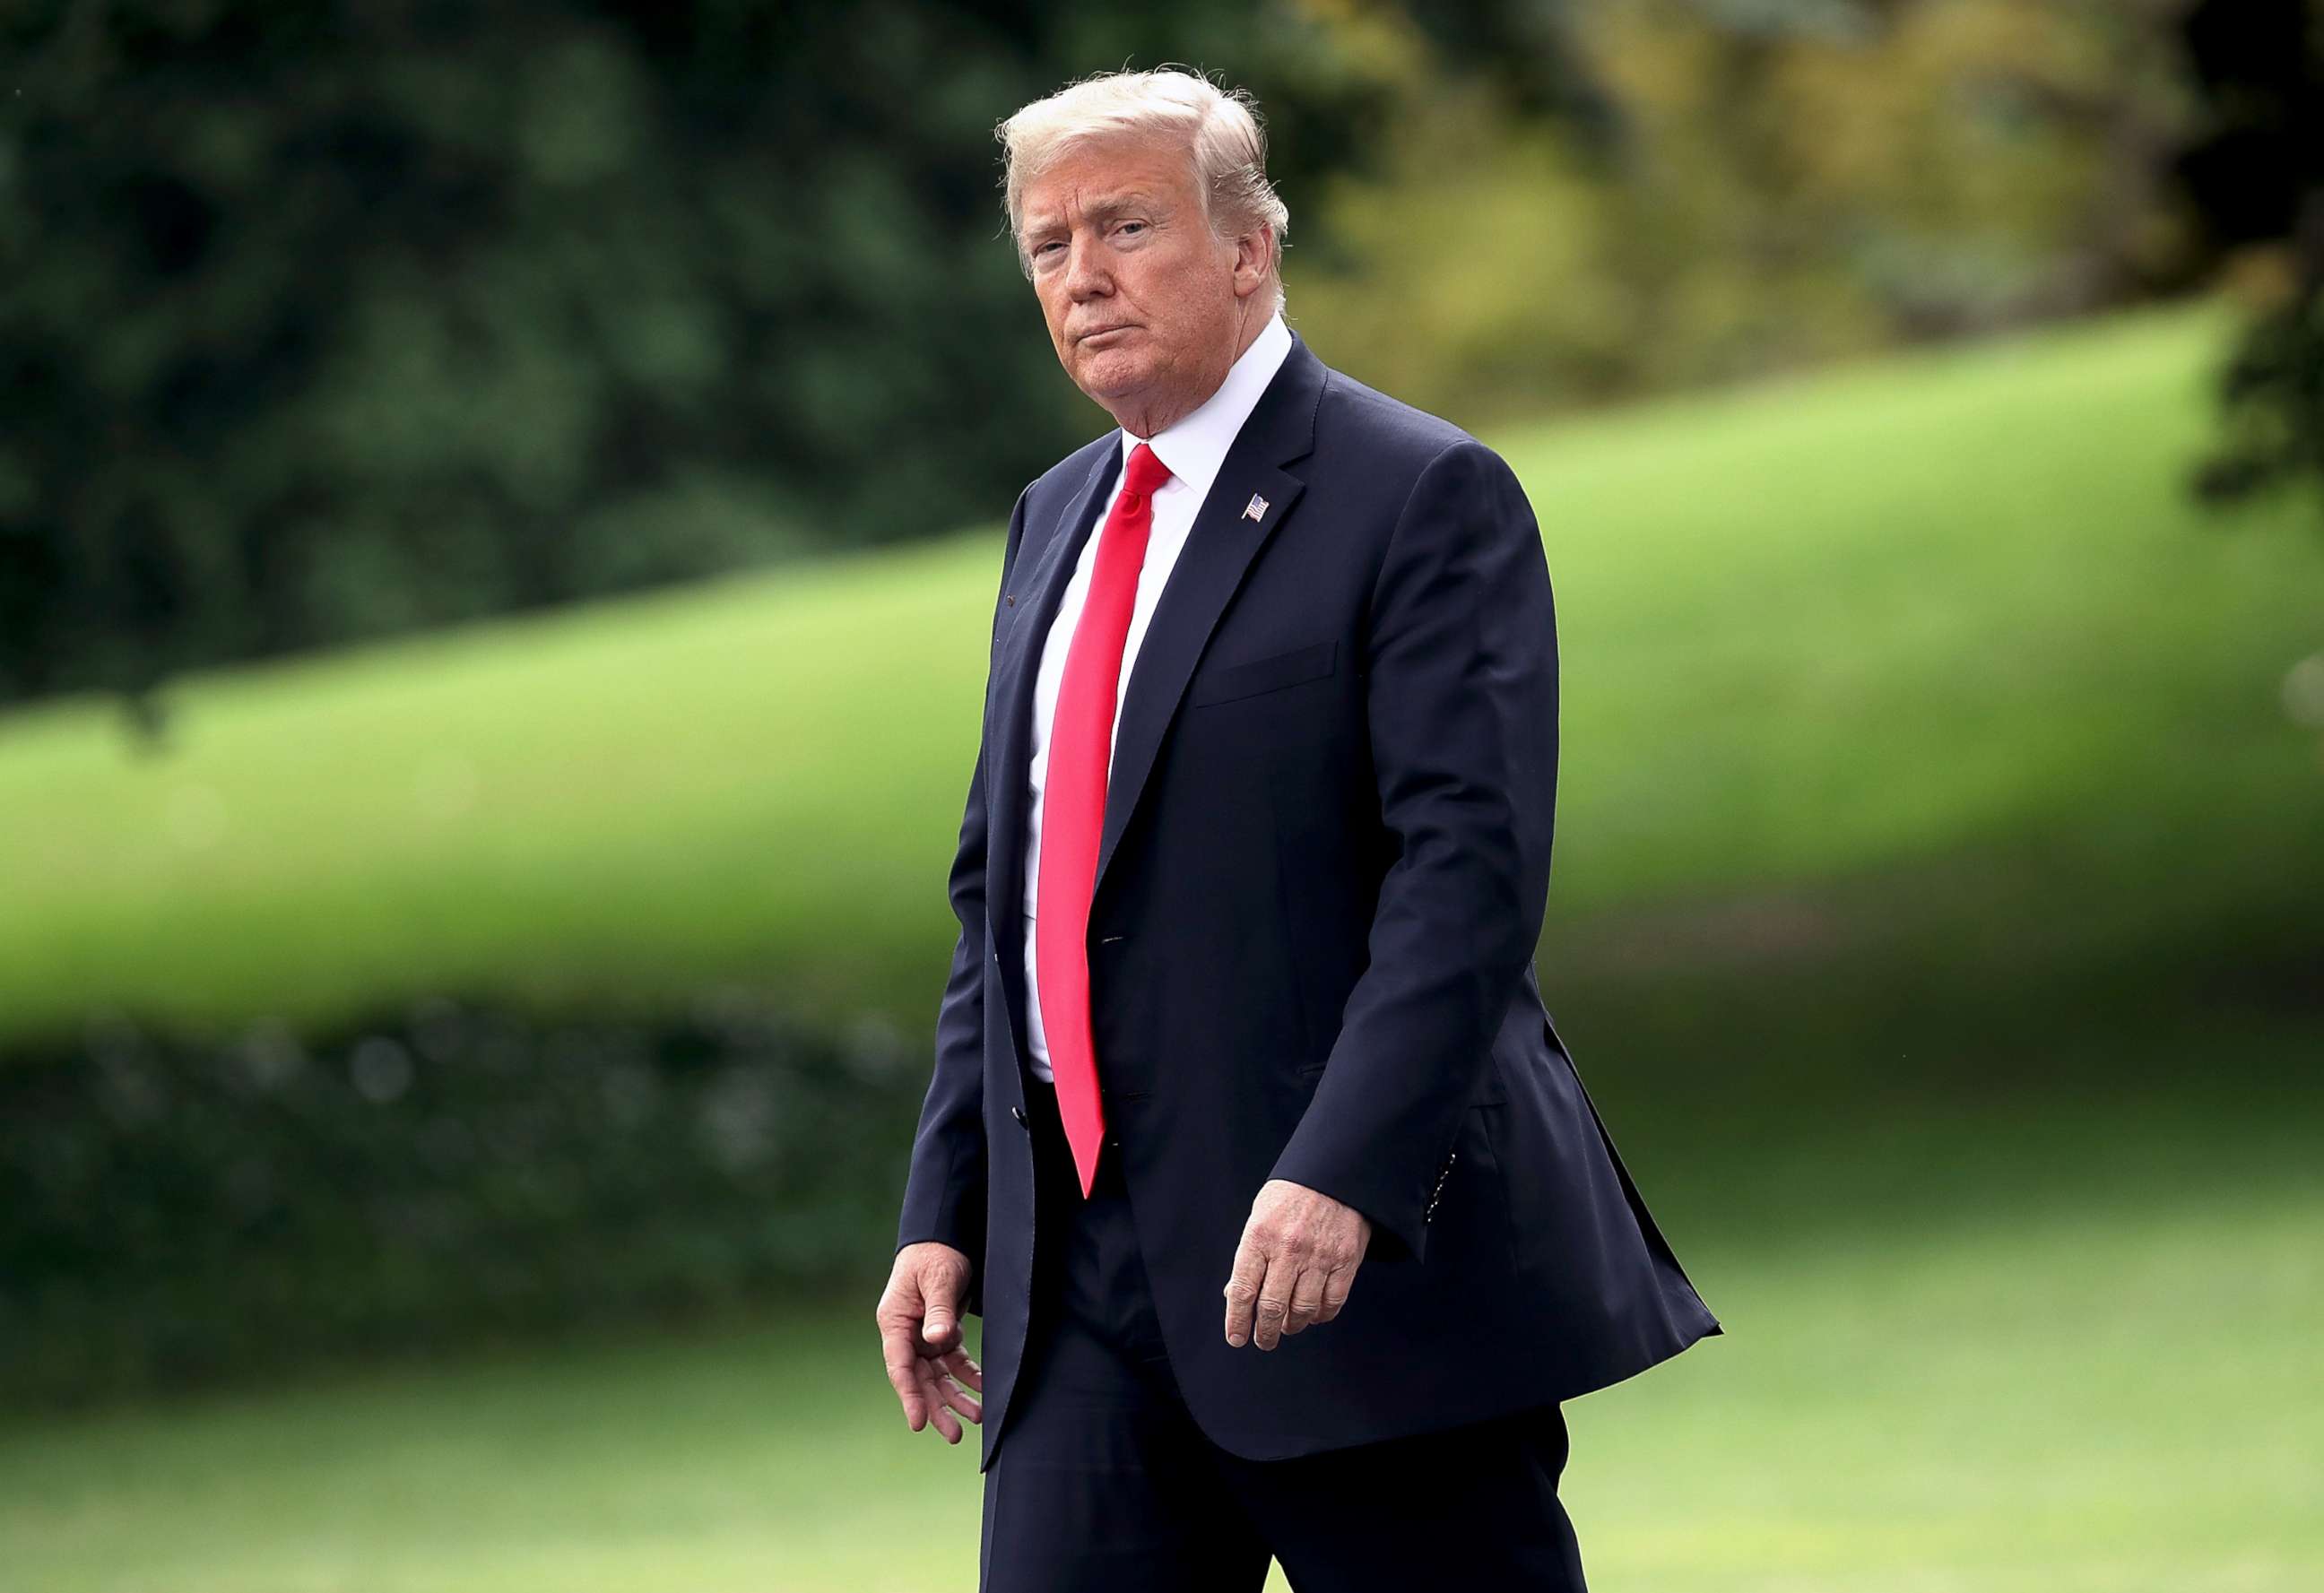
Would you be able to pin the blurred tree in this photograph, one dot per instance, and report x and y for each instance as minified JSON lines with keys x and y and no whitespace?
{"x":1762,"y":185}
{"x":2256,"y":171}
{"x":321,"y":322}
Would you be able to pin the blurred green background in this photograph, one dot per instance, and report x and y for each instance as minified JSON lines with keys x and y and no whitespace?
{"x":498,"y":508}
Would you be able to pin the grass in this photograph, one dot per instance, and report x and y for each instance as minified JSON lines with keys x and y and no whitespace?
{"x":1933,"y":918}
{"x":1977,"y":1348}
{"x":1947,"y":610}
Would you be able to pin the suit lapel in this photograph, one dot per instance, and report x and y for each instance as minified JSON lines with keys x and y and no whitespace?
{"x":1219,"y":549}
{"x":1217,"y":555}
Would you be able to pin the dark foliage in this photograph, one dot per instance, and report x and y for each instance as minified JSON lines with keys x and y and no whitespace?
{"x":321,"y":322}
{"x":2257,"y":172}
{"x":175,"y":1214}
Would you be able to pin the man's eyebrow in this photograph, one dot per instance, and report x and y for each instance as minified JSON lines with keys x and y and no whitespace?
{"x":1104,"y":209}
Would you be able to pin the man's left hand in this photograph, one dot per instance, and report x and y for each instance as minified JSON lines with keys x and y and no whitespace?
{"x":1296,"y":1264}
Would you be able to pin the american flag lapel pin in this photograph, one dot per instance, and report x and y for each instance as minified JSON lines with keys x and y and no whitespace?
{"x":1255,"y":509}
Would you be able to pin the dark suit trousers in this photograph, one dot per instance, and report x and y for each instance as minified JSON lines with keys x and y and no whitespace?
{"x":1103,"y":1483}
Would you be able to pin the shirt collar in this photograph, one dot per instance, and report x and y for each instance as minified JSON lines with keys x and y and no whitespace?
{"x":1194,"y":446}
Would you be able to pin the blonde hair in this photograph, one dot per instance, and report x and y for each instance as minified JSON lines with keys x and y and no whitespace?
{"x":1221,"y":128}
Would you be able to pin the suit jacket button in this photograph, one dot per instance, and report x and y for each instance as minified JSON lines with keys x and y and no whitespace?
{"x":1018,"y":1112}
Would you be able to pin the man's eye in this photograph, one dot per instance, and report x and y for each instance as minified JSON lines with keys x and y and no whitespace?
{"x":1133,"y":226}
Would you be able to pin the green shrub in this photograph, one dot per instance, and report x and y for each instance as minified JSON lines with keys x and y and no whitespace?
{"x":172,"y":1214}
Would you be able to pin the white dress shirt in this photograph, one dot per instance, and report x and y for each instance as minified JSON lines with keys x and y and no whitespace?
{"x":1193,"y":447}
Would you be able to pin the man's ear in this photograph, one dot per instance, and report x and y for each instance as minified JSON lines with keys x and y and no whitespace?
{"x":1253,"y":250}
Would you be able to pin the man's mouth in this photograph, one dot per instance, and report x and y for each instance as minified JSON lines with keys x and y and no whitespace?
{"x":1106,"y":331}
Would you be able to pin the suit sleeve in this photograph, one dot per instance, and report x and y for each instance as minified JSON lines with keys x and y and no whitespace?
{"x":1460,"y":701}
{"x":945,"y":1190}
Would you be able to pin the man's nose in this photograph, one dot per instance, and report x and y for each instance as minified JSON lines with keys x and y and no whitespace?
{"x":1085,"y":273}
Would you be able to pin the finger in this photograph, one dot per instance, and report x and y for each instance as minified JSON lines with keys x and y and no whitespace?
{"x":903,"y":1371}
{"x":1274,"y":1302}
{"x":1242,"y":1289}
{"x":960,"y":1399}
{"x":1335,"y":1291}
{"x":932,"y":1392}
{"x":939,"y":1411}
{"x":957,"y":1363}
{"x":1306,"y":1299}
{"x":940,"y":1324}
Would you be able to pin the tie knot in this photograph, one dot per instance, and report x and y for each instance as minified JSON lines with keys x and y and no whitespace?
{"x":1145,"y":472}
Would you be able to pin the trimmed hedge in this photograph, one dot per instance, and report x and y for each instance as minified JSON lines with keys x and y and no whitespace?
{"x":174,"y":1213}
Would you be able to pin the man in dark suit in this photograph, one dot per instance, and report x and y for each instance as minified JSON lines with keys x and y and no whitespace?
{"x":1249,"y":1137}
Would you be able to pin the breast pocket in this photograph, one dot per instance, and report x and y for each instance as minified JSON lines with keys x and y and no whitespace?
{"x":1226,"y":682}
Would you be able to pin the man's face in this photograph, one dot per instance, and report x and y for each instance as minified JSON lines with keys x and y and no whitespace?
{"x":1144,"y":304}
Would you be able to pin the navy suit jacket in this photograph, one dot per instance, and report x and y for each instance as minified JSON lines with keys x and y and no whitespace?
{"x":1320,"y":888}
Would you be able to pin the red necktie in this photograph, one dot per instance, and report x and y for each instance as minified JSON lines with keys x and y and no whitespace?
{"x":1072,"y":805}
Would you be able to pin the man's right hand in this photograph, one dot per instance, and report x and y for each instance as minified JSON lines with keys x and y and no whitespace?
{"x":920,"y":1333}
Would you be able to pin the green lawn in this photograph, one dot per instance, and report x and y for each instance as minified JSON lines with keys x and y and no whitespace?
{"x":1951,"y":608}
{"x":1982,"y":1349}
{"x":1933,"y":916}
